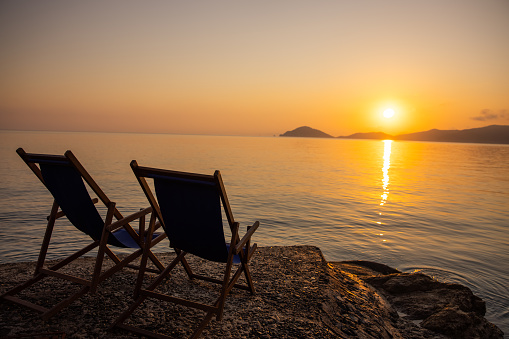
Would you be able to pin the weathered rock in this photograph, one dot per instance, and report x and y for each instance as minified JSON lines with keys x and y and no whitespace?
{"x":299,"y":295}
{"x":449,"y":309}
{"x":374,"y":267}
{"x":454,"y":322}
{"x":419,"y":296}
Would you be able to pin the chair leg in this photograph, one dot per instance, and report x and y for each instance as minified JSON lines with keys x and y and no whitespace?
{"x":47,"y":237}
{"x":144,"y":256}
{"x":224,"y":289}
{"x":118,"y":322}
{"x":249,"y":280}
{"x":100,"y":254}
{"x":185,"y":264}
{"x":202,"y":326}
{"x":226,"y":284}
{"x":166,"y":271}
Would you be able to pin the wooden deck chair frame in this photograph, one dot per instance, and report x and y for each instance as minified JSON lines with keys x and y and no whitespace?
{"x":238,"y":247}
{"x":88,"y":285}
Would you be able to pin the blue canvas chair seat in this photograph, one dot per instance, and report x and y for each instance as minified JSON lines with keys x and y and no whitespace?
{"x":202,"y":234}
{"x":67,"y":187}
{"x":65,"y":178}
{"x":125,"y":240}
{"x":189,"y":208}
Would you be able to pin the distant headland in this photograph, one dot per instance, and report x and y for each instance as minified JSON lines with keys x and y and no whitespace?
{"x":494,"y":134}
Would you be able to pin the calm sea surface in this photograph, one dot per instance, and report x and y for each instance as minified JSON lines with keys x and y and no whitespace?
{"x":440,"y":208}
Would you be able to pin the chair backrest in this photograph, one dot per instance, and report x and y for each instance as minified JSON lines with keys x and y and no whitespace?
{"x":63,"y":177}
{"x":188,"y":206}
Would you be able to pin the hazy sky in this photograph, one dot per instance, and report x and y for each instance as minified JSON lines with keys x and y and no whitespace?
{"x":253,"y":67}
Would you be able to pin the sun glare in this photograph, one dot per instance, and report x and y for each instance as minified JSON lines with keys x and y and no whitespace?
{"x":388,"y":113}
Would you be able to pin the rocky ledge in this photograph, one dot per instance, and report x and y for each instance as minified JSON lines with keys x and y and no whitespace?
{"x":299,"y":295}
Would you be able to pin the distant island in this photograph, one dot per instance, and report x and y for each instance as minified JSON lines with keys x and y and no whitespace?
{"x":306,"y":132}
{"x":494,"y":134}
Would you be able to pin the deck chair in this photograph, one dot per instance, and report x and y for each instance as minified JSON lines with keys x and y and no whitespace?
{"x":64,"y":177}
{"x":188,"y":206}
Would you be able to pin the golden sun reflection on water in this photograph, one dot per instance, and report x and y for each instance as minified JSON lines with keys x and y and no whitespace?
{"x":380,"y":232}
{"x":385,"y":171}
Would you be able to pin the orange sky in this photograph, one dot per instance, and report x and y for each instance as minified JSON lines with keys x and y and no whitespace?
{"x":253,"y":67}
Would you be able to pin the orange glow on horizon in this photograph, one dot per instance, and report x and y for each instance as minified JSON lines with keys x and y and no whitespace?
{"x":242,"y":70}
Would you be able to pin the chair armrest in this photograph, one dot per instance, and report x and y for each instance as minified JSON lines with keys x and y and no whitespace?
{"x":61,"y":213}
{"x":246,"y":237}
{"x":126,"y":220}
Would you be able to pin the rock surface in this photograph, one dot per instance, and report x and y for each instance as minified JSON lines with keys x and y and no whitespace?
{"x":298,"y":294}
{"x":449,"y":309}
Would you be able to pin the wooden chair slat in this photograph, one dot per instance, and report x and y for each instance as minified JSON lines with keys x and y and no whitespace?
{"x":25,"y":303}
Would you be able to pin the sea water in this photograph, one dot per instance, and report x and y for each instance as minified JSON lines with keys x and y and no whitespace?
{"x":439,"y":208}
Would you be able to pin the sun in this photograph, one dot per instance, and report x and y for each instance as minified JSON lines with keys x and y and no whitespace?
{"x":388,"y":113}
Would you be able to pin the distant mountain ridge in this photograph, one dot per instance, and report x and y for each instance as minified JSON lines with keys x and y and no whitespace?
{"x":494,"y":134}
{"x":372,"y":135}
